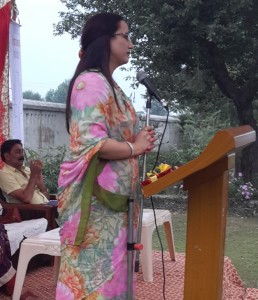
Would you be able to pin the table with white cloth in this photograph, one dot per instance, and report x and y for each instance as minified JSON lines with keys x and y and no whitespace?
{"x":18,"y":231}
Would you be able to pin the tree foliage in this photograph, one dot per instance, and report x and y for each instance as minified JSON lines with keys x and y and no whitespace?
{"x":59,"y":95}
{"x":32,"y":96}
{"x":201,"y":53}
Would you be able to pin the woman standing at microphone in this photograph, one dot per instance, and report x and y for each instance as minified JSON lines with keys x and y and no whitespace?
{"x":101,"y":170}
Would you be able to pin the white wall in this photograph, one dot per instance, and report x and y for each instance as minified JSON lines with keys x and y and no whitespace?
{"x":44,"y":126}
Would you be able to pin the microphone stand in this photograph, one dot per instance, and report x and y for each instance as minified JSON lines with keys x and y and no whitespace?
{"x":139,"y":229}
{"x":130,"y":249}
{"x":131,"y":246}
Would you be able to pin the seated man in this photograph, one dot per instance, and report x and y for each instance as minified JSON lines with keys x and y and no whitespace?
{"x":17,"y":182}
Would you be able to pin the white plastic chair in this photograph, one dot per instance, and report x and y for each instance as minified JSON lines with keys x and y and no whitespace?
{"x":163,"y":217}
{"x":44,"y":243}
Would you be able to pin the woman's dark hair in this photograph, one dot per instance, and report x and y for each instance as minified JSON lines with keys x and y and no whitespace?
{"x":95,"y":46}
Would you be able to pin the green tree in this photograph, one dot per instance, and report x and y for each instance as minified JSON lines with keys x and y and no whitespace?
{"x":50,"y":95}
{"x":202,"y":53}
{"x":59,"y":95}
{"x":32,"y":96}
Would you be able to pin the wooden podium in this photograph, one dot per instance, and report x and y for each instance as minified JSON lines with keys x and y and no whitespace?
{"x":206,"y":180}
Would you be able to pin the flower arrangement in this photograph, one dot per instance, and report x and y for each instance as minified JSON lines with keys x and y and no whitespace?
{"x":159,"y":171}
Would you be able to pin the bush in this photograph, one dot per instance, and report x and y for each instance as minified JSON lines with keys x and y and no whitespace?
{"x":197,"y":131}
{"x":52,"y":158}
{"x":239,"y":190}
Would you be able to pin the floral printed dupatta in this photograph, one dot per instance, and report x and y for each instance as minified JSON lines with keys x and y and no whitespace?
{"x":95,"y":117}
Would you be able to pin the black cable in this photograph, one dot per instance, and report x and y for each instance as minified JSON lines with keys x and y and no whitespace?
{"x":162,"y":250}
{"x":155,"y":220}
{"x":157,"y":156}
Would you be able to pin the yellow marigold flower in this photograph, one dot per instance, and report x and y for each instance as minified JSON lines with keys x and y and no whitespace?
{"x":164,"y":167}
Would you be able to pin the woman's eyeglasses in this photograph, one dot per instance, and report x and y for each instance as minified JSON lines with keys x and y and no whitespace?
{"x":126,"y":36}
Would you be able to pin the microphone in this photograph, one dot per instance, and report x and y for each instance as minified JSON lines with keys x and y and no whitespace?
{"x":143,"y":78}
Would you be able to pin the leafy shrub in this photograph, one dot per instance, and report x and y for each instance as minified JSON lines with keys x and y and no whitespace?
{"x":239,"y":190}
{"x":52,"y":158}
{"x":197,"y":132}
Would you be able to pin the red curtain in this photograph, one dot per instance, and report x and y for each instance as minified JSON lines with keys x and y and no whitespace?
{"x":5,"y":18}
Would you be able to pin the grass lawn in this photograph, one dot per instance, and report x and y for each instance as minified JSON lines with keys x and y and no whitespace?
{"x":241,"y":244}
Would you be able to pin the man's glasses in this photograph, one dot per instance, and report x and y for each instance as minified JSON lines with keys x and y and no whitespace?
{"x":126,"y":36}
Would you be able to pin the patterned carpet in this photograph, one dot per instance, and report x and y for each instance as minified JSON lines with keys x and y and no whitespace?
{"x":41,"y":282}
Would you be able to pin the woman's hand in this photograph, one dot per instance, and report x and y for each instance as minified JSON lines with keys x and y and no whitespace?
{"x":144,"y":140}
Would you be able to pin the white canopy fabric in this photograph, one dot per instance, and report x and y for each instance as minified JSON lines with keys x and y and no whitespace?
{"x":17,"y":128}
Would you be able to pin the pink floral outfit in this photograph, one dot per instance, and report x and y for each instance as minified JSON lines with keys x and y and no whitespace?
{"x":94,"y":236}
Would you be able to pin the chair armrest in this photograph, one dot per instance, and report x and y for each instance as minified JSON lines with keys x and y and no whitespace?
{"x":24,"y":206}
{"x":50,"y":211}
{"x":11,"y":215}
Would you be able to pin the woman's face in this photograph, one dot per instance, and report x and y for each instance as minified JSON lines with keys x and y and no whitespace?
{"x":120,"y":47}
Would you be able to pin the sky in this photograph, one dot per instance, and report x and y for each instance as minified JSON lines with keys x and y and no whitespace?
{"x":49,"y":60}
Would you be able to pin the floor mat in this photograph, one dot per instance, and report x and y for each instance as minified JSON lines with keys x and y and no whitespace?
{"x":41,"y":281}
